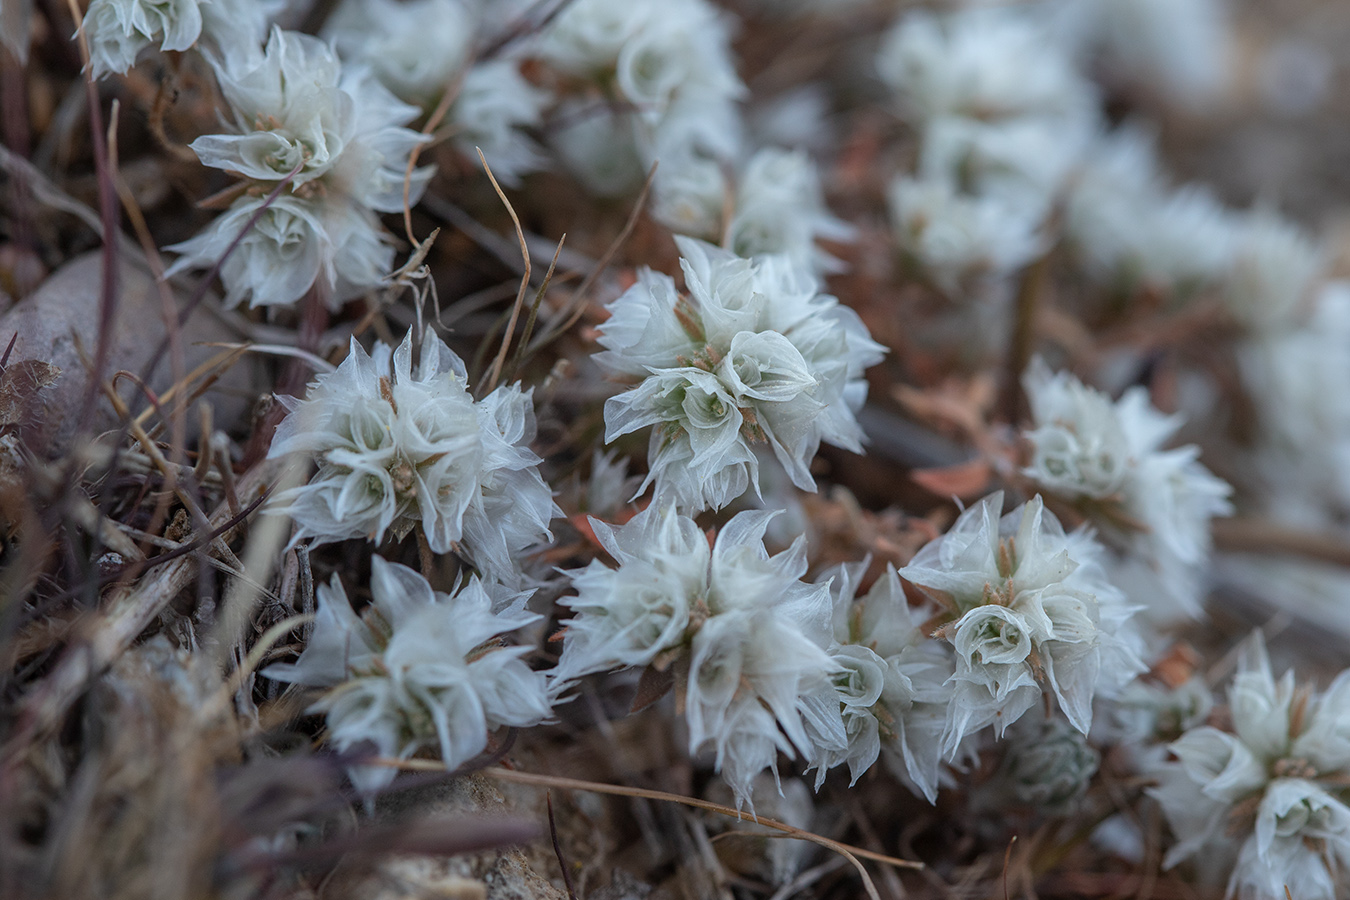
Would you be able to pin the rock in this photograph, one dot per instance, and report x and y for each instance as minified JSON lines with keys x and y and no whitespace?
{"x":505,"y":874}
{"x":60,"y":320}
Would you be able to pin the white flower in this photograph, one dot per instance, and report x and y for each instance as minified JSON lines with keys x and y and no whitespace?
{"x":297,"y":110}
{"x":752,"y":354}
{"x":1153,"y":502}
{"x":414,"y":48}
{"x":494,"y":106}
{"x":418,"y":669}
{"x":748,"y":634}
{"x":297,"y":244}
{"x":598,"y":147}
{"x":984,"y":64}
{"x":626,"y":616}
{"x":297,"y":106}
{"x":892,"y":682}
{"x":1274,"y":270}
{"x":1031,"y":608}
{"x":668,"y":64}
{"x":1131,"y":232}
{"x":689,"y":193}
{"x":962,"y":241}
{"x":1277,"y":782}
{"x":1303,"y":445}
{"x":1178,"y":48}
{"x":118,"y":30}
{"x":780,"y":208}
{"x":399,"y":446}
{"x":1024,"y":162}
{"x":655,"y":50}
{"x":1046,"y":766}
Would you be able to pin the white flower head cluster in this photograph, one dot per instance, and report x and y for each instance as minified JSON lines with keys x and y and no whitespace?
{"x":1276,"y":267}
{"x":753,"y":354}
{"x":745,"y":636}
{"x":119,"y":30}
{"x":1003,"y":118}
{"x":891,"y":682}
{"x":1179,"y":49}
{"x":1134,"y":232}
{"x":1278,"y":782}
{"x":669,"y":67}
{"x":1032,"y":611}
{"x":399,"y":446}
{"x":418,"y":669}
{"x":419,"y":49}
{"x":959,"y":240}
{"x":414,"y":48}
{"x":780,"y":209}
{"x":296,"y":109}
{"x":1303,"y":451}
{"x":1109,"y":457}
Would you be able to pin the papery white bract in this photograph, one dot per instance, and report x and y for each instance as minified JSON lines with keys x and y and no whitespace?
{"x":752,"y":634}
{"x":1033,"y":611}
{"x":962,"y":242}
{"x":983,"y":64}
{"x":337,"y":134}
{"x":1279,"y":777}
{"x":780,"y":208}
{"x":1156,"y":503}
{"x":1134,"y":233}
{"x":399,"y":446}
{"x":1302,"y":453}
{"x":891,"y":685}
{"x":414,"y":48}
{"x":295,"y":245}
{"x":753,"y":354}
{"x":118,"y":30}
{"x":669,"y":62}
{"x":418,"y":669}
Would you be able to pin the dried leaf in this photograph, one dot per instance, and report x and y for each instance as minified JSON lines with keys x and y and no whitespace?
{"x":966,"y":480}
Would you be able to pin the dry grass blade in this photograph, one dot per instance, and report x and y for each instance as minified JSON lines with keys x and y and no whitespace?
{"x":524,"y":342}
{"x":578,"y":300}
{"x":105,"y":635}
{"x":851,"y":853}
{"x":524,"y":279}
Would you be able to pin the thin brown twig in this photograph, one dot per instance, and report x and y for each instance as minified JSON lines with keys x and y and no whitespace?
{"x":849,"y":851}
{"x":105,"y":635}
{"x":1248,"y":534}
{"x":1022,"y":339}
{"x":447,"y":98}
{"x":557,"y":847}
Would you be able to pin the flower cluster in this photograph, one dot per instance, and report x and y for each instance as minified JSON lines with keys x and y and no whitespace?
{"x":742,"y":635}
{"x":421,"y":49}
{"x":338,"y":130}
{"x":780,"y":209}
{"x":753,"y":354}
{"x":1003,"y":117}
{"x":119,"y":30}
{"x":891,"y":682}
{"x":1277,"y":782}
{"x":674,"y":96}
{"x":400,"y":446}
{"x":1108,"y":458}
{"x":418,"y":668}
{"x":1031,"y":610}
